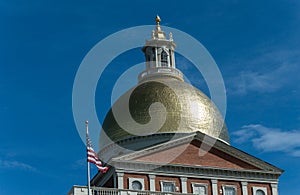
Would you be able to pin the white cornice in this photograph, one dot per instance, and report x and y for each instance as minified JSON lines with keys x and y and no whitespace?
{"x":196,"y":171}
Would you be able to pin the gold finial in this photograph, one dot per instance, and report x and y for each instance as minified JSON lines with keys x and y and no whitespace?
{"x":157,"y":20}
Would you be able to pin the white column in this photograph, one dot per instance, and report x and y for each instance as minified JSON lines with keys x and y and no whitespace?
{"x":214,"y":184}
{"x":115,"y":180}
{"x":152,"y":182}
{"x":120,"y":180}
{"x":173,"y":59}
{"x":274,"y":188}
{"x":156,"y":58}
{"x":245,"y":188}
{"x":183,"y":184}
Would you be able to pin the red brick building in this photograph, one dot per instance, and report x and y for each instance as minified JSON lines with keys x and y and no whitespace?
{"x":222,"y":170}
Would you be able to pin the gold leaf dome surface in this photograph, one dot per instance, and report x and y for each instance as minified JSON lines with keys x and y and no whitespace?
{"x":187,"y":110}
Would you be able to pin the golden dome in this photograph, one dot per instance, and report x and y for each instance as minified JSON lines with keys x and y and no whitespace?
{"x":186,"y":110}
{"x":162,"y":104}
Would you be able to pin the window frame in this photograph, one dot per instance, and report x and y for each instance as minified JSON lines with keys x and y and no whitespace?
{"x":133,"y":179}
{"x":256,"y":188}
{"x":229,"y":186}
{"x":194,"y":184}
{"x":166,"y":181}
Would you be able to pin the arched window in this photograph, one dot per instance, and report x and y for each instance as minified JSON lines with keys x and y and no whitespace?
{"x":259,"y":192}
{"x":136,"y":185}
{"x":150,"y":54}
{"x":164,"y":58}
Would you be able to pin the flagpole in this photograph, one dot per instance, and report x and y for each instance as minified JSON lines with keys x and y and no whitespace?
{"x":88,"y":163}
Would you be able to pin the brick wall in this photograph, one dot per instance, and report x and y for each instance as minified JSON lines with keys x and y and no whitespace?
{"x":190,"y":181}
{"x":189,"y":154}
{"x":127,"y":176}
{"x":250,"y":189}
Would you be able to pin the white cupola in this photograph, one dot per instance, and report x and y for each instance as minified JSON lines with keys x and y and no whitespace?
{"x":160,"y":57}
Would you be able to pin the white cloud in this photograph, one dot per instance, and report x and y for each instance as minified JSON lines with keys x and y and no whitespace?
{"x":6,"y":164}
{"x":283,"y":68}
{"x":270,"y":139}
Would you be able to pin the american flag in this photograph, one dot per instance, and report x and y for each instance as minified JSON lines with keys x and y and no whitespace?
{"x":92,"y":156}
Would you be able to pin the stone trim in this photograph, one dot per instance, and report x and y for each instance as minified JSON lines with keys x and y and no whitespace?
{"x":214,"y":185}
{"x":120,"y":176}
{"x":274,"y":187}
{"x":152,"y":182}
{"x":132,"y":179}
{"x":188,"y":171}
{"x":183,"y":184}
{"x":264,"y":189}
{"x":244,"y":188}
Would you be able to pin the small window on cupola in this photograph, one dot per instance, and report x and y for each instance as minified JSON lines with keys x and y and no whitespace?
{"x":164,"y":58}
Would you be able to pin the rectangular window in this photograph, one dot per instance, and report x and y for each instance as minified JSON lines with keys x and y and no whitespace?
{"x":229,"y":190}
{"x":200,"y":189}
{"x":168,"y":186}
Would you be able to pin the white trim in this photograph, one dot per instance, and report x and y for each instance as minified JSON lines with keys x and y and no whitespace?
{"x":133,"y":179}
{"x":183,"y":184}
{"x":255,"y":189}
{"x":244,"y":188}
{"x":195,"y":184}
{"x":214,"y":184}
{"x":274,"y":188}
{"x":198,"y":172}
{"x":120,"y":180}
{"x":196,"y":175}
{"x":152,"y":182}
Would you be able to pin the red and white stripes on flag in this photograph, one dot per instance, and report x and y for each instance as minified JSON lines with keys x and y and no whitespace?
{"x":92,"y":156}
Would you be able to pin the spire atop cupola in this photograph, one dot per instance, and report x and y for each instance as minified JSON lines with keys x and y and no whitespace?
{"x":158,"y":33}
{"x":160,"y":55}
{"x":157,"y":19}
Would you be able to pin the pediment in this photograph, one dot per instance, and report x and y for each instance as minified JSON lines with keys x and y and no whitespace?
{"x":200,"y":151}
{"x":192,"y":154}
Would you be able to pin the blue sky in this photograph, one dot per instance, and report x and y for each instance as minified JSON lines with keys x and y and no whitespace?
{"x":256,"y":45}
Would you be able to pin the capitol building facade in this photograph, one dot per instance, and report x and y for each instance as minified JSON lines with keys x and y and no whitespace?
{"x":164,"y":136}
